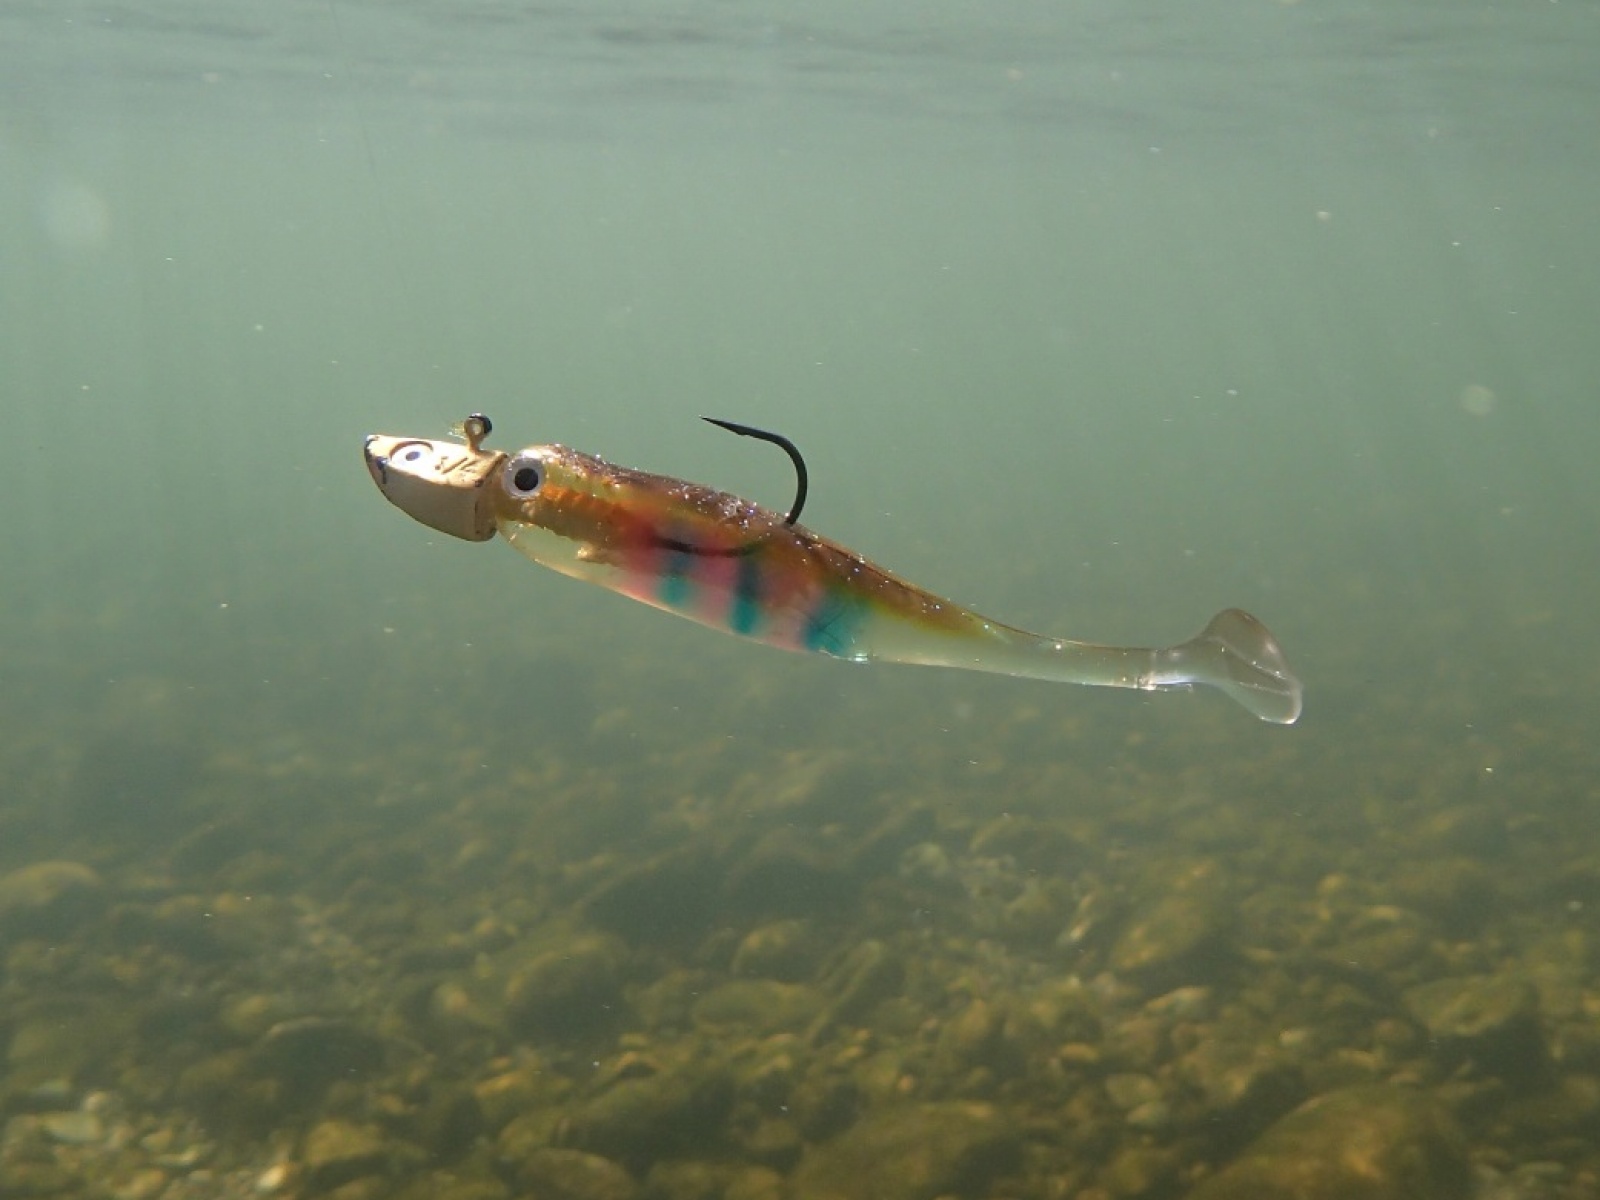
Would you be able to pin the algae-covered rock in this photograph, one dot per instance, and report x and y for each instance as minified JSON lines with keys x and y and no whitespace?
{"x":206,"y":930}
{"x":784,"y":950}
{"x":1459,"y":893}
{"x":755,"y":1183}
{"x":447,"y":1122}
{"x":336,"y":1152}
{"x":660,"y":899}
{"x":1379,"y":942}
{"x":1128,"y":1090}
{"x":367,"y":1187}
{"x":27,"y":1179}
{"x":869,"y":973}
{"x":554,"y":1174}
{"x":569,"y":991}
{"x":759,"y":1006}
{"x":968,"y":1039}
{"x":311,"y":1052}
{"x":1139,"y":1170}
{"x":1568,"y":1108}
{"x":48,"y":898}
{"x":788,"y":872}
{"x":1034,"y":845}
{"x":1242,"y":1083}
{"x":687,"y":1179}
{"x":639,"y":1120}
{"x":231,"y":1092}
{"x":824,"y":1104}
{"x":1493,"y":1020}
{"x":1037,"y":915}
{"x":1478,"y":830}
{"x":911,"y":1152}
{"x":510,"y":1093}
{"x":1181,"y":938}
{"x":774,"y":1142}
{"x":447,"y":1185}
{"x":1376,"y":1142}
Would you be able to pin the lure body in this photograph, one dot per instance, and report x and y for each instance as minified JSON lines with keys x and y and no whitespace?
{"x":735,"y":566}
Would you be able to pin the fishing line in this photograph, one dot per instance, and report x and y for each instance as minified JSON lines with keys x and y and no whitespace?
{"x":353,"y":97}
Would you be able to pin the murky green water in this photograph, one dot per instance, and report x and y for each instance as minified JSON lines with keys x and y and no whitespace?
{"x":337,"y":857}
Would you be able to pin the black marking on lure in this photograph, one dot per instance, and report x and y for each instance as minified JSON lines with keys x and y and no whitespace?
{"x":802,"y":485}
{"x":477,"y":427}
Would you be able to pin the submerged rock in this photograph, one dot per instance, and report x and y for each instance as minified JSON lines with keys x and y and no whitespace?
{"x":659,"y":900}
{"x":1242,"y":1085}
{"x":570,"y":991}
{"x":868,"y":973}
{"x":48,"y":898}
{"x":774,"y":1142}
{"x":760,"y":1006}
{"x":1491,"y":1020}
{"x":783,"y":950}
{"x":1379,"y":942}
{"x":1364,"y":1143}
{"x":553,"y":1174}
{"x":788,"y":872}
{"x":336,"y":1152}
{"x":1128,"y":1090}
{"x":688,"y":1179}
{"x":637,"y":1121}
{"x":824,"y":1104}
{"x":80,"y":1128}
{"x":915,"y":1152}
{"x":312,"y":1052}
{"x":1181,"y":938}
{"x":755,"y":1183}
{"x":1139,"y":1170}
{"x":1459,"y":893}
{"x":1034,"y":845}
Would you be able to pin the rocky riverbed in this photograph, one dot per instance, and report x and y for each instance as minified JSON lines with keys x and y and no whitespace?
{"x":733,"y":974}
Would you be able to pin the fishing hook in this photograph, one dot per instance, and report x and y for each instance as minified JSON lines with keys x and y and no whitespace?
{"x":789,"y":448}
{"x":784,"y":444}
{"x":477,"y":427}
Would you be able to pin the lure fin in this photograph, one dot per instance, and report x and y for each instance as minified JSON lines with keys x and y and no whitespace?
{"x":1236,"y":654}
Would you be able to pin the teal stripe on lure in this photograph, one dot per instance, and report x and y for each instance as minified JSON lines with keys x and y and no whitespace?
{"x":676,"y":588}
{"x":745,"y":617}
{"x":831,"y":627}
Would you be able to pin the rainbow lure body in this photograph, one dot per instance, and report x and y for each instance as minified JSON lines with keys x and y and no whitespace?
{"x":732,"y":565}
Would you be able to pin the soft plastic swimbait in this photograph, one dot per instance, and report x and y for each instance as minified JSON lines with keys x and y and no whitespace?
{"x":735,"y":566}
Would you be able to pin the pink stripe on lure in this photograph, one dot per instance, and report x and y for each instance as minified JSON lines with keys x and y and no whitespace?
{"x":732,"y":565}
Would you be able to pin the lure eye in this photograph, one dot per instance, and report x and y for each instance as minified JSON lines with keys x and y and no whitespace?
{"x":409,"y":452}
{"x":524,"y":475}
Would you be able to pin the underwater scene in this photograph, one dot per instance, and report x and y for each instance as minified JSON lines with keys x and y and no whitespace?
{"x":343,"y":857}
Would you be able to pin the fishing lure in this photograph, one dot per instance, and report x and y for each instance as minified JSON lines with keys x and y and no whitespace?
{"x":735,"y":566}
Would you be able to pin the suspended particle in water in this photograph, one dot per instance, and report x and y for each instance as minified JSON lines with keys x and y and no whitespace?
{"x":1477,"y":400}
{"x":74,"y":217}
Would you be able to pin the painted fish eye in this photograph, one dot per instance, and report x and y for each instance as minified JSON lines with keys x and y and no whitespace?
{"x":409,"y":452}
{"x":524,"y":474}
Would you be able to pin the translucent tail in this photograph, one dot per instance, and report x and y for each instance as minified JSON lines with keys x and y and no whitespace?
{"x":1237,"y":654}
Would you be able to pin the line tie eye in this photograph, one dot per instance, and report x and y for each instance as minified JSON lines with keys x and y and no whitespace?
{"x":523,"y":476}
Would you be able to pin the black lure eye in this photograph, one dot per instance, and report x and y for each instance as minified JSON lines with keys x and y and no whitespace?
{"x":523,"y":476}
